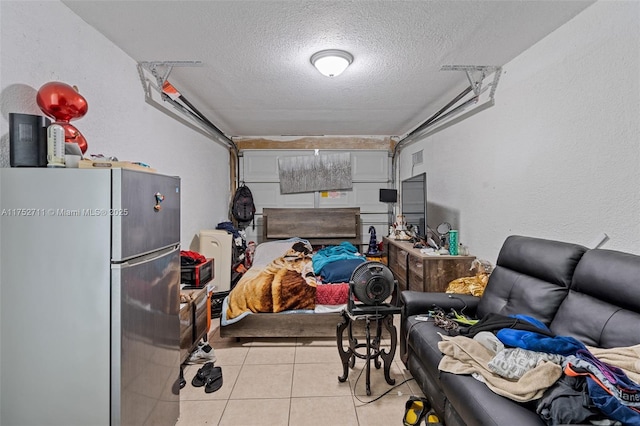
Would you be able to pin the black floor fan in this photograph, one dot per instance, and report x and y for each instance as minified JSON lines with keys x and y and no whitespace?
{"x":371,"y":284}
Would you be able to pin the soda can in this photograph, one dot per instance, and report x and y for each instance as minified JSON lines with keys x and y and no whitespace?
{"x":453,"y":242}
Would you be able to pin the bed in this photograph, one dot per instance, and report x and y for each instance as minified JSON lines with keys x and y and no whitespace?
{"x":287,"y":235}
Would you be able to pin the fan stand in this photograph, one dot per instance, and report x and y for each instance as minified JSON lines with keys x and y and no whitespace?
{"x":381,"y":314}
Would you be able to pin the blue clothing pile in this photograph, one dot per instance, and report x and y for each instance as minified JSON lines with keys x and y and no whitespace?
{"x":345,"y":250}
{"x":610,"y":390}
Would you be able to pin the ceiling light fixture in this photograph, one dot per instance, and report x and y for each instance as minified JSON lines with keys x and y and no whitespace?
{"x":331,"y":62}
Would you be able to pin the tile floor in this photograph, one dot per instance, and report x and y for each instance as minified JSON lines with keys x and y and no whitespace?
{"x":292,"y":381}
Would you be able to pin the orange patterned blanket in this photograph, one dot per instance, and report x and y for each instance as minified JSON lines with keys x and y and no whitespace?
{"x":287,"y":282}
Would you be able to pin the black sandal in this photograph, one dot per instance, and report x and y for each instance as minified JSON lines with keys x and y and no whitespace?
{"x":200,"y":379}
{"x":414,"y":410}
{"x":432,"y":419}
{"x":214,"y":380}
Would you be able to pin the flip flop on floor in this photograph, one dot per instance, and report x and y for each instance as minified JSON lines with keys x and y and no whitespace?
{"x":214,"y":380}
{"x":432,"y":419}
{"x":182,"y":381}
{"x":415,"y":409}
{"x":200,"y":379}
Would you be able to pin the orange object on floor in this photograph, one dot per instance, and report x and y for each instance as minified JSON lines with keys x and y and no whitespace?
{"x":209,"y":311}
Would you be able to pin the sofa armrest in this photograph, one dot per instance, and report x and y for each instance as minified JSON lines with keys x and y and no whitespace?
{"x":418,"y":302}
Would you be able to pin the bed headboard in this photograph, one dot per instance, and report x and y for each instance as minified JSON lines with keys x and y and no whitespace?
{"x":322,"y":226}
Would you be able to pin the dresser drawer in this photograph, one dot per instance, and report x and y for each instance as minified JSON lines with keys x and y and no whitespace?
{"x":398,"y":265}
{"x":416,"y":274}
{"x":401,"y":265}
{"x":201,"y":315}
{"x":186,"y":330}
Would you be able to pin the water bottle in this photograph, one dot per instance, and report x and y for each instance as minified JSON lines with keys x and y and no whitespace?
{"x":453,"y":242}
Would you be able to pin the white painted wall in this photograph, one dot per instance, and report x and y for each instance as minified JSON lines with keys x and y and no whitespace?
{"x":44,"y":41}
{"x":558,"y":156}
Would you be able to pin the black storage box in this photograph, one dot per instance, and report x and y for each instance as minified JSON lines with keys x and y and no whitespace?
{"x":216,"y":303}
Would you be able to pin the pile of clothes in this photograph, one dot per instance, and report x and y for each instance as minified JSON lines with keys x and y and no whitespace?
{"x":335,"y":264}
{"x":519,"y":358}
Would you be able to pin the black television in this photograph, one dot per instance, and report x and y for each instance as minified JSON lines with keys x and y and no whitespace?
{"x":388,"y":195}
{"x":413,"y":195}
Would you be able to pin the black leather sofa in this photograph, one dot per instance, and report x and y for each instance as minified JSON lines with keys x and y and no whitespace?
{"x":592,"y":295}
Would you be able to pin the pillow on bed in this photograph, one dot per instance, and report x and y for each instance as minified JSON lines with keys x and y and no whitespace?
{"x":268,"y":251}
{"x":339,"y":271}
{"x":332,"y":294}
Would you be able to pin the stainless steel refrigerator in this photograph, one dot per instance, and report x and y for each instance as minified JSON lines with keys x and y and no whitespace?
{"x":89,"y":297}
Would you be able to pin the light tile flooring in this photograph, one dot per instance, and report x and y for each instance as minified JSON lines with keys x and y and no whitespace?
{"x":293,"y":382}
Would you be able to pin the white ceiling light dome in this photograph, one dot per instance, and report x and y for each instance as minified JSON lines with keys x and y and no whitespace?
{"x":331,"y":62}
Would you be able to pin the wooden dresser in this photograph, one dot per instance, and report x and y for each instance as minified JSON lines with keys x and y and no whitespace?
{"x":421,"y":272}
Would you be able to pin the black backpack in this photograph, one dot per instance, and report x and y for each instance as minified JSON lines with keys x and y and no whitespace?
{"x":243,"y":209}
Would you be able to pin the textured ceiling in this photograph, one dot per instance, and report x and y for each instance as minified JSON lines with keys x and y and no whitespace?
{"x":257,"y":79}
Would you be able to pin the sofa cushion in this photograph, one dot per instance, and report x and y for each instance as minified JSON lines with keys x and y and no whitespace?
{"x":511,"y":293}
{"x":548,"y":260}
{"x":602,"y":307}
{"x":532,"y":277}
{"x":596,"y":323}
{"x":477,"y":405}
{"x":611,"y":276}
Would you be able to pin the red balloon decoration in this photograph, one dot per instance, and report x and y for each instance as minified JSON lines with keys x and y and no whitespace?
{"x":73,"y":135}
{"x":63,"y":103}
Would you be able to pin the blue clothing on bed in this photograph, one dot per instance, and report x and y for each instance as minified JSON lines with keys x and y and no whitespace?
{"x":339,"y":271}
{"x":345,"y":250}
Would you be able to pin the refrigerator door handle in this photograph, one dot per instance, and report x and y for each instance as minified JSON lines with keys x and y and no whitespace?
{"x":150,"y":257}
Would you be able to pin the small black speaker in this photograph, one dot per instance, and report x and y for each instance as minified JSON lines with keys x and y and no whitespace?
{"x":388,"y":195}
{"x":28,"y":140}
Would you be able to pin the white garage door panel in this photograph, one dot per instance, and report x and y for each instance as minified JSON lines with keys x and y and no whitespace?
{"x":363,"y":195}
{"x":295,"y":200}
{"x":259,"y":166}
{"x":367,"y":196}
{"x":375,"y":219}
{"x":262,"y":165}
{"x":264,"y":194}
{"x":367,"y":166}
{"x":336,"y":199}
{"x":267,"y":194}
{"x":372,"y":166}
